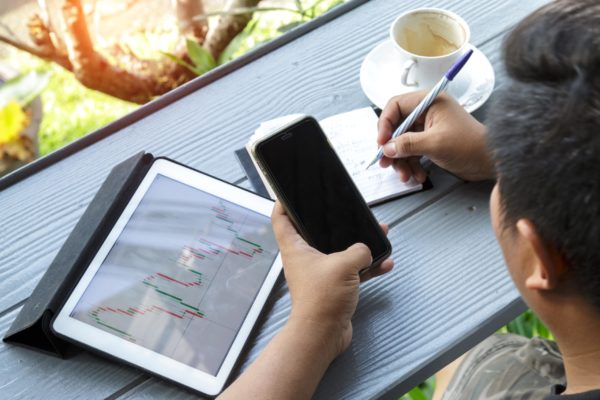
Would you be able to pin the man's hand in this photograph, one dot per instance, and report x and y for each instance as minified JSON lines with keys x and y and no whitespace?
{"x":324,"y":288}
{"x":451,"y":138}
{"x":324,"y":291}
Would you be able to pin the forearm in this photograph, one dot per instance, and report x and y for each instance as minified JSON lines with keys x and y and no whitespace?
{"x":290,"y":367}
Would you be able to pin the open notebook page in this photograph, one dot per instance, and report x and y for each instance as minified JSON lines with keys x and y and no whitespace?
{"x":353,"y":135}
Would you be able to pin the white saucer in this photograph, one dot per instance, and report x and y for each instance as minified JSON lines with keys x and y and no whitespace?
{"x":380,"y":78}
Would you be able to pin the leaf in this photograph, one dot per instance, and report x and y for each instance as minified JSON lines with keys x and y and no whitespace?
{"x":290,"y":26}
{"x":316,"y":8}
{"x":179,"y":61}
{"x":23,"y":88}
{"x":417,"y":394}
{"x":202,"y":59}
{"x":12,"y":121}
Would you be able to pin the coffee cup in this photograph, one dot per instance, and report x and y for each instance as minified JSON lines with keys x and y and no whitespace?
{"x":428,"y":41}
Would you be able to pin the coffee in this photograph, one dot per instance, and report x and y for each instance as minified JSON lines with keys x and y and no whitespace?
{"x":428,"y":41}
{"x":430,"y":34}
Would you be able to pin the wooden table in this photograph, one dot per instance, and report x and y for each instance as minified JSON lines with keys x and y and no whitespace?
{"x":448,"y":291}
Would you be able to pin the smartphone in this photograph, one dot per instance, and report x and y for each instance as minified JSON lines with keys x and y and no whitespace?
{"x":317,"y":192}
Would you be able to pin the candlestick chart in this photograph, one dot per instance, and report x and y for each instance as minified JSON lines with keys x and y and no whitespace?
{"x":181,"y":276}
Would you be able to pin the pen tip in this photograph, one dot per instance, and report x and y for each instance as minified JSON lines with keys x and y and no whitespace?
{"x":455,"y":69}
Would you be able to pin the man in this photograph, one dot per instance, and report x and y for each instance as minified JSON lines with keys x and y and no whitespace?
{"x":542,"y":145}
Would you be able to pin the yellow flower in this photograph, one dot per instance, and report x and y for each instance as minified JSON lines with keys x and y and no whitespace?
{"x":12,"y":121}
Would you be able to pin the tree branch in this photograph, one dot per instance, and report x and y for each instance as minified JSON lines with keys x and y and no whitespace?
{"x":185,"y":11}
{"x":41,"y":35}
{"x":140,"y":82}
{"x":54,"y":38}
{"x":228,"y":26}
{"x":7,"y":29}
{"x":63,"y":36}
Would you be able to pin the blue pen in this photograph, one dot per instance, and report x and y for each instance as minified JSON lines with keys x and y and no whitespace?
{"x":426,"y":102}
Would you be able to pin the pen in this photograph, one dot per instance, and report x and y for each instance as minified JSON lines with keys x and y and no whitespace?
{"x":426,"y":102}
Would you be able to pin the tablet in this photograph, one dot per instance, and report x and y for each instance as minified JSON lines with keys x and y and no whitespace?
{"x":179,"y":282}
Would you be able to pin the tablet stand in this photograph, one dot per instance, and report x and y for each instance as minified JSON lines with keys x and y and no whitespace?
{"x":31,"y":328}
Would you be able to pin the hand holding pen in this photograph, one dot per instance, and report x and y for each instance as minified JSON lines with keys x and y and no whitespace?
{"x":445,"y":133}
{"x":426,"y":102}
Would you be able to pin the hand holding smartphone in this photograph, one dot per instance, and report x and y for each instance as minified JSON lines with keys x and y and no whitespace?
{"x":317,"y":192}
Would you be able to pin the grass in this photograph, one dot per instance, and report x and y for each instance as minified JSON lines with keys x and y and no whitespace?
{"x":70,"y":110}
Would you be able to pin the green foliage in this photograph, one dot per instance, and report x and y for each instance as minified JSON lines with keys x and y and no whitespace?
{"x":202,"y":59}
{"x":528,"y":325}
{"x":267,"y":24}
{"x":422,"y":392}
{"x":70,"y":110}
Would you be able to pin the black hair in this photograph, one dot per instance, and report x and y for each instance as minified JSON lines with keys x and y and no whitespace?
{"x":544,"y":133}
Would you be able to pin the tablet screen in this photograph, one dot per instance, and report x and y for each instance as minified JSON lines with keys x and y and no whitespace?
{"x":182,"y":275}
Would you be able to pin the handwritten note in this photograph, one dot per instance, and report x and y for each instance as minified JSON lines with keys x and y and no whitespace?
{"x":353,"y":136}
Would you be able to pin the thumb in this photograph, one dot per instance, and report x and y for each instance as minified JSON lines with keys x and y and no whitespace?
{"x":406,"y":145}
{"x":357,"y":256}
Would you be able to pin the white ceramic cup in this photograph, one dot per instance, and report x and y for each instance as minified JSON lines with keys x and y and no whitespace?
{"x":428,"y":41}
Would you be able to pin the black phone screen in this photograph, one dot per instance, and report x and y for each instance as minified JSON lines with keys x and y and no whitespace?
{"x":316,"y":189}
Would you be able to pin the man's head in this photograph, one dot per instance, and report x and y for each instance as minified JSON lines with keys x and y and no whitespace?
{"x":544,"y":134}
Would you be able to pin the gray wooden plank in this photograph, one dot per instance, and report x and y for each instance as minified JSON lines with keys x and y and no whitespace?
{"x":245,"y":183}
{"x":27,"y":374}
{"x":448,"y":280}
{"x":446,"y":258}
{"x":43,"y":226}
{"x":316,"y":74}
{"x":392,"y":212}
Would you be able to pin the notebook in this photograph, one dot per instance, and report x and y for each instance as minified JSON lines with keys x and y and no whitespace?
{"x":353,"y":135}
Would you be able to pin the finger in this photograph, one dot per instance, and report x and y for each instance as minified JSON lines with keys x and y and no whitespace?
{"x":357,"y":256}
{"x":385,"y":162}
{"x":394,"y":112}
{"x":385,"y":267}
{"x":417,"y":169}
{"x":408,"y":144}
{"x":403,"y":168}
{"x":285,"y":232}
{"x":385,"y":228}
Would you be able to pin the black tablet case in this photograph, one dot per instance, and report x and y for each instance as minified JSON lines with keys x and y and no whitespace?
{"x":31,"y":328}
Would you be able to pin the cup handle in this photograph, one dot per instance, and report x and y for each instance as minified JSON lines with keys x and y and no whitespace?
{"x":408,"y":65}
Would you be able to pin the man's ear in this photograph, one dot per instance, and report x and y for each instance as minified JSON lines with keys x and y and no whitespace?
{"x":547,"y":266}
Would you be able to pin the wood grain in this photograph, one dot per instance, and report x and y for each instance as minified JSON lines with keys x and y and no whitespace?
{"x":202,"y":129}
{"x":407,"y":320}
{"x":445,"y":254}
{"x":26,"y":374}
